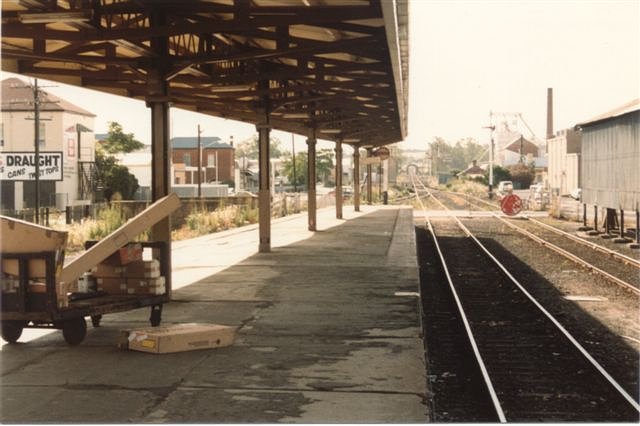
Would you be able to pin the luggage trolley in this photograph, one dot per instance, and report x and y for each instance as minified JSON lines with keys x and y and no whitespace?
{"x":30,"y":304}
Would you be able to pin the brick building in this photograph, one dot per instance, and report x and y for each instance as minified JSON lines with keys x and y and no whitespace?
{"x":217,"y":160}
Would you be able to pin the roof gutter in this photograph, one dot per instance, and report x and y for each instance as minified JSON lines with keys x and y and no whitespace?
{"x":390,"y":16}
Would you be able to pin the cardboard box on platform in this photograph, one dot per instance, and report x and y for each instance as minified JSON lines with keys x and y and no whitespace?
{"x":179,"y":338}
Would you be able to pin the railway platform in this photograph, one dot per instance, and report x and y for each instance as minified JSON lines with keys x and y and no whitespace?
{"x":329,"y":332}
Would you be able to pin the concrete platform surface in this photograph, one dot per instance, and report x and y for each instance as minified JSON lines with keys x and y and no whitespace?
{"x":329,"y":333}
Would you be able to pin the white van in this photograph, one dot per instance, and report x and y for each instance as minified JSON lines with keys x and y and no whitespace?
{"x":504,"y":187}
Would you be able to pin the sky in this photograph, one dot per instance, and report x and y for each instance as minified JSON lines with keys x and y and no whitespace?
{"x":467,"y":59}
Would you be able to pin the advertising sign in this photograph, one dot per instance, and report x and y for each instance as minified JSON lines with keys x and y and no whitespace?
{"x":21,"y":166}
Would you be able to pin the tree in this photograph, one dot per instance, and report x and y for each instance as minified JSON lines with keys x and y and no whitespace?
{"x":440,"y":155}
{"x":114,"y":177}
{"x":301,"y":169}
{"x":118,"y":141}
{"x":324,"y":165}
{"x":499,"y":174}
{"x":249,"y":148}
{"x":522,"y":175}
{"x":464,"y":152}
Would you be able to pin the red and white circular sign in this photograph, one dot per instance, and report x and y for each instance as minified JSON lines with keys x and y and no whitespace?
{"x":511,"y":205}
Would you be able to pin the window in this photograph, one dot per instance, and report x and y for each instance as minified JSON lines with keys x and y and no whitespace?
{"x":187,"y":159}
{"x":1,"y":134}
{"x":41,"y":135}
{"x":211,"y":160}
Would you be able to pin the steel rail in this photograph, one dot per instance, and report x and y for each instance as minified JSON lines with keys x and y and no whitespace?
{"x":560,"y":327}
{"x":594,"y":246}
{"x":570,"y":255}
{"x":465,"y":321}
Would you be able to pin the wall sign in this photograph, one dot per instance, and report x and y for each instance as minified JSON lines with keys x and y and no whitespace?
{"x":21,"y":166}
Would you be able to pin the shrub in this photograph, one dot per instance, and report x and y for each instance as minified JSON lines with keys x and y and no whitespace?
{"x":108,"y":221}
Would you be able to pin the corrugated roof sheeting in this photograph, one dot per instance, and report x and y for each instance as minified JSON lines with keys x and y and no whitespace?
{"x":610,"y":162}
{"x":339,"y":67}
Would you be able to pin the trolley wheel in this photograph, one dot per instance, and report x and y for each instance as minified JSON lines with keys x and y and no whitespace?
{"x":12,"y":330}
{"x":95,"y":320}
{"x":156,"y":315}
{"x":74,"y":330}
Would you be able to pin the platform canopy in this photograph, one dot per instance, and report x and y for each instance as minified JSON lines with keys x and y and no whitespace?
{"x":337,"y":66}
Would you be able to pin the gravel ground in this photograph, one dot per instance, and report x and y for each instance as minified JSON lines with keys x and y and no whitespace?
{"x":607,"y":324}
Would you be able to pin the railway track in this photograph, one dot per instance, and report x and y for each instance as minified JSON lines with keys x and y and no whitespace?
{"x":616,"y":267}
{"x":529,"y":365}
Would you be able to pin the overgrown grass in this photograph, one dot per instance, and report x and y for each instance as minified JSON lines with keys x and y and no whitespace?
{"x":108,"y":221}
{"x":206,"y":222}
{"x":467,"y":187}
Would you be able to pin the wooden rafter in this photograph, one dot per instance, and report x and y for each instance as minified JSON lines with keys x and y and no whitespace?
{"x":331,"y":60}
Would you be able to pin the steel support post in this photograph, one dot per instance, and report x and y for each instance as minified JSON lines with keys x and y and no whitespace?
{"x":339,"y":179}
{"x":585,"y":227}
{"x":160,"y":170}
{"x":311,"y":180}
{"x":369,"y":179}
{"x":158,"y":101}
{"x":356,"y":179}
{"x":264,"y":191}
{"x":622,"y":239}
{"x":637,"y":243}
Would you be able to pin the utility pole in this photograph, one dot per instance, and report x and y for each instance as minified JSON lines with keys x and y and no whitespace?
{"x":491,"y":127}
{"x":36,"y":121}
{"x":200,"y":164}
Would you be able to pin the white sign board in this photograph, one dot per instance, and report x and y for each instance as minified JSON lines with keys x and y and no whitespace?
{"x":21,"y":166}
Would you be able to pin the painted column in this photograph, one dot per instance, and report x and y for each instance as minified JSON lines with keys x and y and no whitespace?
{"x":369,"y":179}
{"x":356,"y":179}
{"x":158,"y":102}
{"x":339,"y":179}
{"x":264,"y":191}
{"x":160,"y":173}
{"x":311,"y":179}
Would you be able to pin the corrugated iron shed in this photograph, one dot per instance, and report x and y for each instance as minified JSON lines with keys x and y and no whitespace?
{"x":611,"y":158}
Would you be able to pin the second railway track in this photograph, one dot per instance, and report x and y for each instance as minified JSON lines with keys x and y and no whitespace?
{"x":533,"y":366}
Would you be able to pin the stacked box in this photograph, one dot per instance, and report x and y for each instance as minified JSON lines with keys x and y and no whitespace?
{"x":129,"y":253}
{"x":144,"y":269}
{"x":132,"y":285}
{"x":137,"y":277}
{"x":146,"y":286}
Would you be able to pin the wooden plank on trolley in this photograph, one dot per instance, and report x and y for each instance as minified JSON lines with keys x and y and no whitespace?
{"x":121,"y":236}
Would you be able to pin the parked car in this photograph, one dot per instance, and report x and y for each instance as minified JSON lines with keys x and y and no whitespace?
{"x":504,"y":187}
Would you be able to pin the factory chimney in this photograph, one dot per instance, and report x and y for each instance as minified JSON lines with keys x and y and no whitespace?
{"x":549,"y":113}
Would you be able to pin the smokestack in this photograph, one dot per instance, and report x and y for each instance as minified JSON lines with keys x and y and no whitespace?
{"x":549,"y":113}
